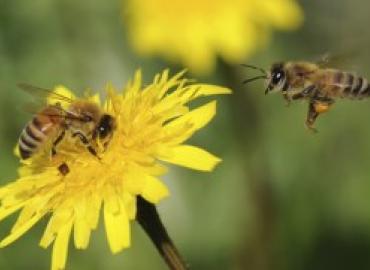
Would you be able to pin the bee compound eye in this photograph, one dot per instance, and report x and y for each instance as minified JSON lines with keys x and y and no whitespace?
{"x":277,"y":77}
{"x":105,"y":126}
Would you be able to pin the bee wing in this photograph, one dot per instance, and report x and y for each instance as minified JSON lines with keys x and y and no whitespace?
{"x":43,"y":93}
{"x":33,"y":108}
{"x":337,"y":60}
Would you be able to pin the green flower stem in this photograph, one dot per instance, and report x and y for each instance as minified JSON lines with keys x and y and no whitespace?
{"x":149,"y":219}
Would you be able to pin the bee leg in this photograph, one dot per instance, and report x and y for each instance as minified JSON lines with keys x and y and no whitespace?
{"x":92,"y":151}
{"x":305,"y":93}
{"x":85,"y":141}
{"x":56,"y":142}
{"x":311,"y":117}
{"x":286,"y":98}
{"x":315,"y":108}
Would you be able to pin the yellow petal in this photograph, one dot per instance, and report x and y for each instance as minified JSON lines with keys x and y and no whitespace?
{"x":31,"y":208}
{"x":16,"y":151}
{"x":27,"y":212}
{"x":190,"y":92}
{"x":6,"y":211}
{"x":133,"y":88}
{"x":169,"y":83}
{"x":191,"y":157}
{"x":154,"y":190}
{"x":134,"y":180}
{"x":60,"y":217}
{"x":49,"y":234}
{"x":14,"y":235}
{"x":81,"y":227}
{"x":195,"y":120}
{"x":117,"y":226}
{"x":129,"y":202}
{"x":81,"y":234}
{"x":93,"y":210}
{"x":95,"y":99}
{"x":155,"y":169}
{"x":60,"y":248}
{"x":209,"y":90}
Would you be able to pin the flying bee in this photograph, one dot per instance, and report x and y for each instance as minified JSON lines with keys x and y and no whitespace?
{"x":320,"y":86}
{"x":82,"y":119}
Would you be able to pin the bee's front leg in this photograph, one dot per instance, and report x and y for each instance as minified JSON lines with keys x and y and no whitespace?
{"x":86,"y":142}
{"x":316,"y":107}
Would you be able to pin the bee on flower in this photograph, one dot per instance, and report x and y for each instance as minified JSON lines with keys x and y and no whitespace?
{"x":81,"y":155}
{"x":82,"y":120}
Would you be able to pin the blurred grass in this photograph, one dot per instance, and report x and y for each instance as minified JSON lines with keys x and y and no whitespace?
{"x":282,"y":199}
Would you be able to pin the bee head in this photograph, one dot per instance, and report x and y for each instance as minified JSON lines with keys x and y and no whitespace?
{"x":276,"y":78}
{"x":104,"y":129}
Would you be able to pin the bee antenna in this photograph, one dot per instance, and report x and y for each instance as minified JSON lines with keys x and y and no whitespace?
{"x":254,"y":67}
{"x":254,"y":79}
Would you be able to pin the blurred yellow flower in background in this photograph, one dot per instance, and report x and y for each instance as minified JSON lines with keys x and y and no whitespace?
{"x":153,"y":122}
{"x":193,"y":33}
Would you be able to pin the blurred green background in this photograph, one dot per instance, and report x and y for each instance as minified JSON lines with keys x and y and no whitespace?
{"x":283,"y":198}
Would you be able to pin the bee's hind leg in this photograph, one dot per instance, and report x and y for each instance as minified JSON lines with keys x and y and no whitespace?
{"x":63,"y":169}
{"x":316,"y":107}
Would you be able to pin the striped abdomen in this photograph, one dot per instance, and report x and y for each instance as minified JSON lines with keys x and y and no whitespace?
{"x":38,"y":131}
{"x":348,"y":85}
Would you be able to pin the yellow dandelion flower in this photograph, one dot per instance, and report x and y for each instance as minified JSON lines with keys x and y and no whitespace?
{"x":152,"y":124}
{"x":193,"y":33}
